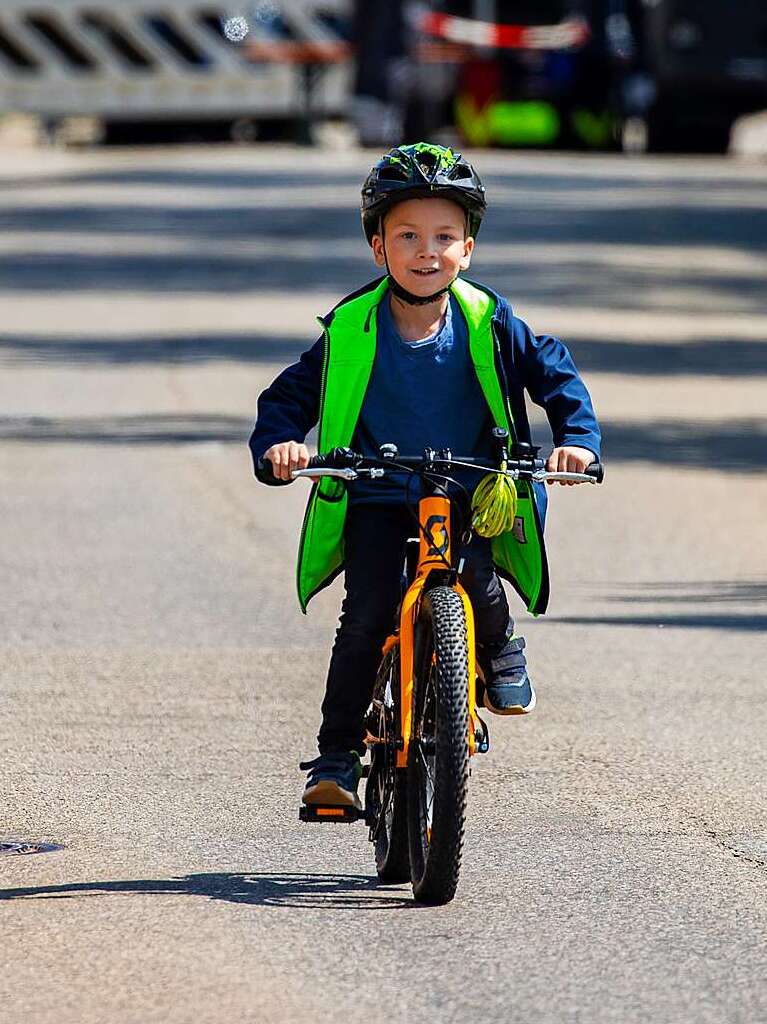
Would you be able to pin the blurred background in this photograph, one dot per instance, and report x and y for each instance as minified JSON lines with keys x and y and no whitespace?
{"x":179,"y":189}
{"x":637,"y":75}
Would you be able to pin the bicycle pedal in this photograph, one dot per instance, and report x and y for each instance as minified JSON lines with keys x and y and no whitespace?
{"x":318,"y":812}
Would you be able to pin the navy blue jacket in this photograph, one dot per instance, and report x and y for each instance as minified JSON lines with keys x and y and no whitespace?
{"x":540,"y":365}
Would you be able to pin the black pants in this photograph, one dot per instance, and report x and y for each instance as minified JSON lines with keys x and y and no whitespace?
{"x":375,"y":539}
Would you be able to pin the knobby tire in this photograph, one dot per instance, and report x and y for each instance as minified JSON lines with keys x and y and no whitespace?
{"x":391,"y":843}
{"x":441,"y":721}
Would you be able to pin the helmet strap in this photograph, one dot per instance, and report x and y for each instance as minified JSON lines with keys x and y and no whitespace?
{"x":409,"y":297}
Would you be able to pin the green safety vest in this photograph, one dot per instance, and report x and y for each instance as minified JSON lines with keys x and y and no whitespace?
{"x":350,"y":347}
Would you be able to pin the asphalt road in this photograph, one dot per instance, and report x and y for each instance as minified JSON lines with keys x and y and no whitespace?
{"x":159,"y":684}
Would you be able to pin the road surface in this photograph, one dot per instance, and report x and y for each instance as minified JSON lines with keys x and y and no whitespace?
{"x":160,"y":685}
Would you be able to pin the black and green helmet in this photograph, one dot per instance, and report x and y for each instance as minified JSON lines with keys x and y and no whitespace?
{"x":421,"y":171}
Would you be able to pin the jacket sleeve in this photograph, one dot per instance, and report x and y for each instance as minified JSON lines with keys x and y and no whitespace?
{"x":553,"y":382}
{"x":288,"y":408}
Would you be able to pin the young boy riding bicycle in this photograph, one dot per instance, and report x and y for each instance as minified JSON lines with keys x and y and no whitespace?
{"x":419,"y":381}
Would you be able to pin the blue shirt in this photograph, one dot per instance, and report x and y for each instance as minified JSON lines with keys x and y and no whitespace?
{"x":421,"y":394}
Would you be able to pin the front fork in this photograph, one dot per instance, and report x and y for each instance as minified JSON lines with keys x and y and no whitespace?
{"x":408,"y":617}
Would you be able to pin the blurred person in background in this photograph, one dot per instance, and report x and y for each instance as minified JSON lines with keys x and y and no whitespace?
{"x":380,"y":87}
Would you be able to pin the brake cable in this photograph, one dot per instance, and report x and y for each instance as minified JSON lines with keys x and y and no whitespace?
{"x":494,"y":502}
{"x":440,"y":479}
{"x":419,"y":473}
{"x":492,"y":507}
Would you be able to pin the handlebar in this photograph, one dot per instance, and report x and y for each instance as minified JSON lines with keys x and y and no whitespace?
{"x":344,"y":464}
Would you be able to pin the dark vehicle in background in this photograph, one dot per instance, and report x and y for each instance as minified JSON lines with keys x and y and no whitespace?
{"x":686,"y":69}
{"x":656,"y":75}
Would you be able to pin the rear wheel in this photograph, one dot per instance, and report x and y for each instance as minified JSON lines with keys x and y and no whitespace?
{"x":386,"y":790}
{"x":438,"y":761}
{"x":391,"y":847}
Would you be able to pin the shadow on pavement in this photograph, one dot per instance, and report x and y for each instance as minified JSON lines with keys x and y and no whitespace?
{"x":724,"y":357}
{"x":249,"y":347}
{"x":298,"y":890}
{"x":311,"y":207}
{"x":257,"y":177}
{"x":736,"y":445}
{"x":139,"y":430}
{"x":741,"y":605}
{"x":729,"y":446}
{"x":187,"y":177}
{"x":542,"y":209}
{"x":728,"y":357}
{"x":723,"y":446}
{"x":688,"y":592}
{"x":202,"y":270}
{"x":742,"y":623}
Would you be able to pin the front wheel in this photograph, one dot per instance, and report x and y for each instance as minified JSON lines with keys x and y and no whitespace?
{"x":438,"y":761}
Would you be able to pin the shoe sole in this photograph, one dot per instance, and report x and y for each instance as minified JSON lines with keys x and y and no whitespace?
{"x":329,"y":794}
{"x":517,"y":709}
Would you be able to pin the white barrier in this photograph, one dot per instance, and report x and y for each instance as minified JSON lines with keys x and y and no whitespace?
{"x":135,"y":59}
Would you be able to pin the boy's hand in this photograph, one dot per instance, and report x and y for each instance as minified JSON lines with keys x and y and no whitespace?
{"x":569,"y":459}
{"x":286,"y":457}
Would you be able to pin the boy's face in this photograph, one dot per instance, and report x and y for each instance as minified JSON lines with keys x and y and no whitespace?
{"x":426,"y":244}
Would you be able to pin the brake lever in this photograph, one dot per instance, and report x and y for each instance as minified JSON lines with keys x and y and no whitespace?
{"x":341,"y":474}
{"x":543,"y":476}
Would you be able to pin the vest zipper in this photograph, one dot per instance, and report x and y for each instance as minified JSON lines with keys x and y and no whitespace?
{"x":324,"y":379}
{"x":501,"y":371}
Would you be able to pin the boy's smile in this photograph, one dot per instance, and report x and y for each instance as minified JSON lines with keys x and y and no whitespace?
{"x":424,"y":243}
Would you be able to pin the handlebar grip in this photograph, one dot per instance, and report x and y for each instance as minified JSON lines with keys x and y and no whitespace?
{"x":265,"y":474}
{"x":597,"y":470}
{"x":336,"y":458}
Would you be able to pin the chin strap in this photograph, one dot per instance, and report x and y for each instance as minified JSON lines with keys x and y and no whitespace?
{"x":410,"y":298}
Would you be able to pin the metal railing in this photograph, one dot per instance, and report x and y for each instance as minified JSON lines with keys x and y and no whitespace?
{"x":129,"y":59}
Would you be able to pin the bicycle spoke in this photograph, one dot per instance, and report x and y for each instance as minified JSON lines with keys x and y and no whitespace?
{"x":428,"y":781}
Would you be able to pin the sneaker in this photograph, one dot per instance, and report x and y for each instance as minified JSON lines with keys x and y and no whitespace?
{"x":333,"y":780}
{"x":508,"y":690}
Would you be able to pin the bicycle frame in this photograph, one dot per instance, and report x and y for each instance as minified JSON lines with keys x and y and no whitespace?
{"x":434,"y":551}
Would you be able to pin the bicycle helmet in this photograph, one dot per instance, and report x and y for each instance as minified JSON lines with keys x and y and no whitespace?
{"x":421,"y":171}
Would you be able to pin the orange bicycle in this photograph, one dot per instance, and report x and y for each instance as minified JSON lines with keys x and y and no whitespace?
{"x":423,"y":726}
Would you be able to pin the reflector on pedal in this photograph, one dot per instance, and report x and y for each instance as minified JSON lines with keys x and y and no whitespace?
{"x":316,"y":812}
